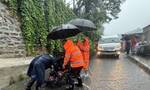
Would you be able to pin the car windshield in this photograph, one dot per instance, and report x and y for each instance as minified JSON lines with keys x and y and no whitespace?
{"x":109,"y":40}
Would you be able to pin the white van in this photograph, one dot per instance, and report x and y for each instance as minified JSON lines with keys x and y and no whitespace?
{"x":109,"y":45}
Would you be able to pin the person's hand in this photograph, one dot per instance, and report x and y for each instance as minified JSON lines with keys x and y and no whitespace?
{"x":85,"y":69}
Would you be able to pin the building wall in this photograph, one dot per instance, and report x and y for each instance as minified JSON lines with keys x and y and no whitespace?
{"x":11,"y":40}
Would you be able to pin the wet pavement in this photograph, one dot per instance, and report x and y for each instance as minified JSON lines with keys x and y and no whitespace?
{"x":118,"y":74}
{"x":14,"y":62}
{"x":17,"y":65}
{"x":144,"y":59}
{"x":110,"y":74}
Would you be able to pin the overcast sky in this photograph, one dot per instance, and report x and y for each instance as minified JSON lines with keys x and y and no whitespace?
{"x":134,"y":14}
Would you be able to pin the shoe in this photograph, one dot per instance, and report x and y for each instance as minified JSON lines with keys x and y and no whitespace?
{"x":79,"y":82}
{"x":79,"y":85}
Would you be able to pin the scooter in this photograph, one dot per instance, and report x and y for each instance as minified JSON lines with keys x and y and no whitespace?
{"x":58,"y":77}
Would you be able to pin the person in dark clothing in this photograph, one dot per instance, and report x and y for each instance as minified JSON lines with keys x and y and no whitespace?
{"x":36,"y":70}
{"x":128,"y":43}
{"x":128,"y":47}
{"x":76,"y":73}
{"x":31,"y":66}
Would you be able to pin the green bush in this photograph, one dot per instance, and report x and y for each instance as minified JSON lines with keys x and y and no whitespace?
{"x":38,"y":18}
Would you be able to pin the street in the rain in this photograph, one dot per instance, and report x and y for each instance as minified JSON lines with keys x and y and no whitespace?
{"x":74,"y":45}
{"x":110,"y":74}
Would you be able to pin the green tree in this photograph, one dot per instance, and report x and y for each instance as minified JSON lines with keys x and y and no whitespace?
{"x":37,"y":18}
{"x":98,"y":11}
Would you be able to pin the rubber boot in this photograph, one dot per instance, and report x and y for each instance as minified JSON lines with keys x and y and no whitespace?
{"x":71,"y":84}
{"x":38,"y":86}
{"x":79,"y":82}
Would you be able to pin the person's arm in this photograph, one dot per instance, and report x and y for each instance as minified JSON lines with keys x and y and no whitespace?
{"x":83,"y":47}
{"x":66,"y":58}
{"x":79,"y":44}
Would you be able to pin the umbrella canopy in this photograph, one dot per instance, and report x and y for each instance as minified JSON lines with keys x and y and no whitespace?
{"x":63,"y":31}
{"x":83,"y":24}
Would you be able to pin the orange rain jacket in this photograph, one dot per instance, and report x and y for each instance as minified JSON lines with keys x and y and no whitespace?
{"x":73,"y":55}
{"x":85,"y":49}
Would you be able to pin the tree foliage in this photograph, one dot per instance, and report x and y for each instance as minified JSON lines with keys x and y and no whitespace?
{"x":37,"y":19}
{"x":98,"y":11}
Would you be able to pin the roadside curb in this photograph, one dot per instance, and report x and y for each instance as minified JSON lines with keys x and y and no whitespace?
{"x":14,"y":66}
{"x":144,"y":66}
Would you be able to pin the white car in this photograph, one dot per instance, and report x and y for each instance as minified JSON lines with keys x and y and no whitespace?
{"x":109,"y":45}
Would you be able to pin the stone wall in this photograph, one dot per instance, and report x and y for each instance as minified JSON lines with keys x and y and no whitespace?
{"x":11,"y":40}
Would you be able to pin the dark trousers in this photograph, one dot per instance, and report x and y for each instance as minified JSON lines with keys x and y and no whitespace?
{"x":31,"y":82}
{"x":37,"y":76}
{"x":128,"y":46}
{"x":74,"y":72}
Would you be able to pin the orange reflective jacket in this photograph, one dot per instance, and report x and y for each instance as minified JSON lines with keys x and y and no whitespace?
{"x":85,"y":49}
{"x":73,"y":55}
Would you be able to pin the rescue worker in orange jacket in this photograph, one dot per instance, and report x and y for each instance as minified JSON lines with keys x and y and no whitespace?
{"x":85,"y":49}
{"x":73,"y":56}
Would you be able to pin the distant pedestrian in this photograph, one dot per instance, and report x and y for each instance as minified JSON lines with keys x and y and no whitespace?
{"x":127,"y":44}
{"x":133,"y":43}
{"x":122,"y":44}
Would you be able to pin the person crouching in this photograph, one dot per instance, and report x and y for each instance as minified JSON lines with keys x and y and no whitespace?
{"x":36,"y":70}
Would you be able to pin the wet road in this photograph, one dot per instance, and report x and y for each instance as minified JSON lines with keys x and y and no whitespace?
{"x":112,"y":74}
{"x":118,"y":74}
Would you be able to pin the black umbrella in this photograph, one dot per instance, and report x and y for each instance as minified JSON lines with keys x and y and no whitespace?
{"x":63,"y":31}
{"x":83,"y":24}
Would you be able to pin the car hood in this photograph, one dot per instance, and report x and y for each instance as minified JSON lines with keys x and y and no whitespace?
{"x":109,"y":45}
